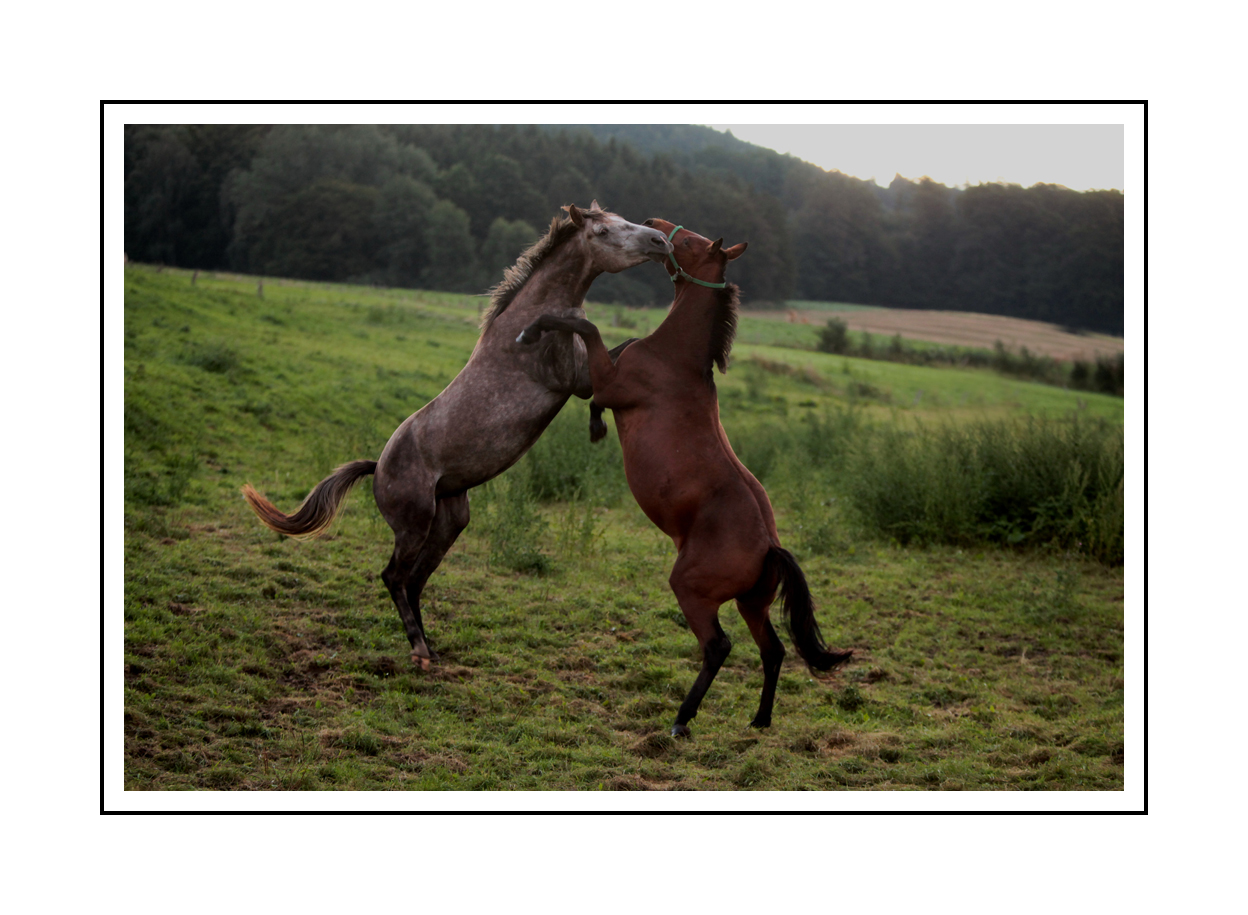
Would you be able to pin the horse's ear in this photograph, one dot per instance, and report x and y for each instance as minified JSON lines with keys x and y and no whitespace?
{"x":577,"y":218}
{"x":594,"y":206}
{"x":736,"y":250}
{"x":715,"y":246}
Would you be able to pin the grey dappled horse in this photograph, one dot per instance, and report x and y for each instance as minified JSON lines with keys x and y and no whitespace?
{"x":489,"y":415}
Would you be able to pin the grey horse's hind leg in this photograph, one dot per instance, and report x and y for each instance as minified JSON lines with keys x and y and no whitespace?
{"x":449,"y":520}
{"x":411,"y":530}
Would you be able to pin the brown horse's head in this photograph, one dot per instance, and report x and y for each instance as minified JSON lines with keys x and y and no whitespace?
{"x":697,"y":256}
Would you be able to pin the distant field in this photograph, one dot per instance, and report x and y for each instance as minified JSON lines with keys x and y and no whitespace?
{"x":955,"y":328}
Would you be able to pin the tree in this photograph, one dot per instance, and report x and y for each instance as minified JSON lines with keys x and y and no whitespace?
{"x":160,"y":175}
{"x":399,"y":220}
{"x":324,"y":232}
{"x":504,"y":243}
{"x":452,"y":262}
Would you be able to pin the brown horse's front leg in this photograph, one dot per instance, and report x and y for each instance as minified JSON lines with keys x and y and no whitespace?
{"x":598,"y":428}
{"x":601,"y":368}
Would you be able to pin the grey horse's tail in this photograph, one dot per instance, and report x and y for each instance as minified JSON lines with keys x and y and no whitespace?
{"x":318,"y":510}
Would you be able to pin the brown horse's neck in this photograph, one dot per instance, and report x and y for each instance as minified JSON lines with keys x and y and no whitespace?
{"x":685,"y":335}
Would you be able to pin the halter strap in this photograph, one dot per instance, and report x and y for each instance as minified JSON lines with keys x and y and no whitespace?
{"x":680,"y":270}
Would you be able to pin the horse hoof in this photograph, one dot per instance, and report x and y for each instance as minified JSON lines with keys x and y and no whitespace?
{"x":756,"y":723}
{"x":681,"y":730}
{"x":422,"y":654}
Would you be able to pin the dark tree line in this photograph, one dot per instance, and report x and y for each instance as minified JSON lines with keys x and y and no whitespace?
{"x":449,"y":207}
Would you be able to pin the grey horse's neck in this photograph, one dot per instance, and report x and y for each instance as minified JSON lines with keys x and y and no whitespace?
{"x":551,"y":288}
{"x":558,"y":365}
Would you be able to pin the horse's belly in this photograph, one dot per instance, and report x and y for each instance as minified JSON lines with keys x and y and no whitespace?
{"x":671,"y":477}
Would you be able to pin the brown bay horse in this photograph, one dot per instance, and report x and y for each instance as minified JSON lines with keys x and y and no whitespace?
{"x":488,"y":416}
{"x":685,"y":476}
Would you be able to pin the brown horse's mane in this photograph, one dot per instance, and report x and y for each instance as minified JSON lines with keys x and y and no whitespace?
{"x":724,"y":326}
{"x":561,"y":229}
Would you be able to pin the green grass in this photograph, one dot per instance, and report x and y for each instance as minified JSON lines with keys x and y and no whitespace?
{"x":918,"y":390}
{"x":258,"y":662}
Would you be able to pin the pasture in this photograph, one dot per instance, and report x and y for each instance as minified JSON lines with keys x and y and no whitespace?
{"x":255,"y":662}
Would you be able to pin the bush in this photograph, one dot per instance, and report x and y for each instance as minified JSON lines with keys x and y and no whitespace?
{"x":834,"y":337}
{"x":1103,"y":377}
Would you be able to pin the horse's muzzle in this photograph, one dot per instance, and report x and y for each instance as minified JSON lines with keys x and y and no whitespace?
{"x":657,"y":245}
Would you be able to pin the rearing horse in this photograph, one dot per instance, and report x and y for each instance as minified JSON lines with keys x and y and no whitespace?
{"x":685,"y":476}
{"x":488,"y":416}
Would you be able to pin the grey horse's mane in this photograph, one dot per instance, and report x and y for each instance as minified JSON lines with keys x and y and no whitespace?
{"x":561,"y":229}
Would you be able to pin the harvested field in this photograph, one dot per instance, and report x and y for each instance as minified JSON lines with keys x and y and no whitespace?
{"x":959,"y":328}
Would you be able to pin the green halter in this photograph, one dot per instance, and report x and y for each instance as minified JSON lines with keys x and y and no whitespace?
{"x":680,"y":271}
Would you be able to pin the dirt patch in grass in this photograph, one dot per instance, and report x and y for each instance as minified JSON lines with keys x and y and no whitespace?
{"x":631,"y":783}
{"x":420,"y":760}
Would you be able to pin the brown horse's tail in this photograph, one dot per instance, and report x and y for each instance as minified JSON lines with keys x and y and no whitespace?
{"x":318,"y":510}
{"x":800,"y":611}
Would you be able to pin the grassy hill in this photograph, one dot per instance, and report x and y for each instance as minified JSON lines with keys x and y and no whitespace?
{"x":257,"y":662}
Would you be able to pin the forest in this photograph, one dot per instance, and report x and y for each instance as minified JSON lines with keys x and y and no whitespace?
{"x":448,"y":207}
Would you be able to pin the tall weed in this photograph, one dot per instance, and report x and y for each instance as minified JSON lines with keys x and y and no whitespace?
{"x":1033,"y":482}
{"x":565,"y":466}
{"x":506,"y":509}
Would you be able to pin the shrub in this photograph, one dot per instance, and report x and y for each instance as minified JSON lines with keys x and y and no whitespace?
{"x":834,"y":337}
{"x":211,"y":357}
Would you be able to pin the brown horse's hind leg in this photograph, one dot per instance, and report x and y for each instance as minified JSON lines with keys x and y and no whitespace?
{"x":703,"y":618}
{"x":449,"y":521}
{"x":753,"y":607}
{"x":754,"y":611}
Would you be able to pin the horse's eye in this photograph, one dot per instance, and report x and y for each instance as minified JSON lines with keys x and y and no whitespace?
{"x":649,"y":223}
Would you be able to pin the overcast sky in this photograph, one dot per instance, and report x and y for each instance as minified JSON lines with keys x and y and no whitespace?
{"x":1079,"y":156}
